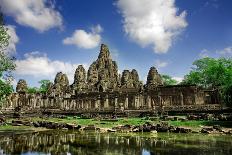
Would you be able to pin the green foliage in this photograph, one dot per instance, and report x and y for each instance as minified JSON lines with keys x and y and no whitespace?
{"x":168,"y":80}
{"x":44,"y":85}
{"x":32,"y":90}
{"x":212,"y":73}
{"x":5,"y":89}
{"x":6,"y":63}
{"x":4,"y":37}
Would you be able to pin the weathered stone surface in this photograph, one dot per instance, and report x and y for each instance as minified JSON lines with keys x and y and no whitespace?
{"x":162,"y":127}
{"x":103,"y":73}
{"x":207,"y":130}
{"x":79,"y":83}
{"x":153,"y":78}
{"x":126,"y":81}
{"x":21,"y":86}
{"x":61,"y":84}
{"x":90,"y":127}
{"x":130,"y":79}
{"x":183,"y":130}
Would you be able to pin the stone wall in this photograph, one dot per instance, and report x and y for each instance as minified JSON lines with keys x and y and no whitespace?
{"x":101,"y":88}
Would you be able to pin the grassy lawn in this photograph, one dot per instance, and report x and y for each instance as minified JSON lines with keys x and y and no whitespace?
{"x":98,"y":123}
{"x":13,"y":128}
{"x":120,"y":121}
{"x":132,"y":121}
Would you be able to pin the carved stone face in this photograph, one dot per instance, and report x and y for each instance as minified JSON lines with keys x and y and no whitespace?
{"x":125,"y":76}
{"x":80,"y":74}
{"x":102,"y":76}
{"x":92,"y":74}
{"x":21,"y":86}
{"x":154,"y":77}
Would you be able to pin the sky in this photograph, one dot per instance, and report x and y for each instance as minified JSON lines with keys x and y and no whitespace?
{"x":49,"y":36}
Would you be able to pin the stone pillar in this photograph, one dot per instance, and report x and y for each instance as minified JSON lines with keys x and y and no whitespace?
{"x":181,"y":99}
{"x":89,"y":104}
{"x":148,"y":101}
{"x":116,"y":102}
{"x":96,"y":104}
{"x":126,"y":102}
{"x":77,"y":104}
{"x":65,"y":103}
{"x":99,"y":102}
{"x":136,"y":102}
{"x":82,"y":104}
{"x":106,"y":102}
{"x":141,"y":100}
{"x":160,"y":100}
{"x":170,"y":98}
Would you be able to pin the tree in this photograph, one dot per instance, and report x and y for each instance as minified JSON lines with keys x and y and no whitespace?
{"x":212,"y":73}
{"x":44,"y":85}
{"x":4,"y":37}
{"x":6,"y":63}
{"x":168,"y":80}
{"x":5,"y":89}
{"x":32,"y":90}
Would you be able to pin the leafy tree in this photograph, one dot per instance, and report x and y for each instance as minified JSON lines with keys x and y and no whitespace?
{"x":168,"y":80}
{"x":44,"y":84}
{"x":5,"y":89}
{"x":6,"y":63}
{"x":212,"y":73}
{"x":32,"y":90}
{"x":4,"y":37}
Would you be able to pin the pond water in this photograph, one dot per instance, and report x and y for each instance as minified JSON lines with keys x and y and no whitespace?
{"x":89,"y":143}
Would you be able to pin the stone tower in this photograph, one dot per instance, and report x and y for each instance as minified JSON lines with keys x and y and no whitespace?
{"x":153,"y":78}
{"x":61,"y":84}
{"x":21,"y":86}
{"x":79,"y":83}
{"x":103,"y":73}
{"x":130,"y":79}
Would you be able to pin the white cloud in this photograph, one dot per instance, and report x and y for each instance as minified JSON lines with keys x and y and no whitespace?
{"x":160,"y":64}
{"x":14,"y":39}
{"x":83,"y":39}
{"x":225,"y":51}
{"x":152,"y":22}
{"x":204,"y":53}
{"x":39,"y":65}
{"x":178,"y":79}
{"x":97,"y":29}
{"x":38,"y":14}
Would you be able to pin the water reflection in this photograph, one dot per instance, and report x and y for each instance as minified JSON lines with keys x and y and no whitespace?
{"x":75,"y":143}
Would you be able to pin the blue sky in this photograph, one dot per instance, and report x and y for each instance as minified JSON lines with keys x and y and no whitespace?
{"x":57,"y":35}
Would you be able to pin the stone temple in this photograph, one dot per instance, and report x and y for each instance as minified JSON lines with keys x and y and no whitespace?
{"x":101,"y":89}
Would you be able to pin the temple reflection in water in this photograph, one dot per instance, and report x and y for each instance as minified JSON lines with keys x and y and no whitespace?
{"x":62,"y":142}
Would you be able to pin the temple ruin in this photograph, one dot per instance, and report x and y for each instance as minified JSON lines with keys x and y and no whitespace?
{"x":102,"y":89}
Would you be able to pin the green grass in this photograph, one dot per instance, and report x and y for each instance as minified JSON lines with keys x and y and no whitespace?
{"x":201,"y":123}
{"x":187,"y":123}
{"x":98,"y":123}
{"x":124,"y":121}
{"x":13,"y":128}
